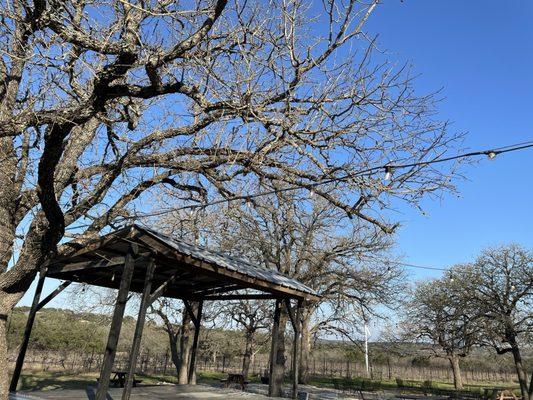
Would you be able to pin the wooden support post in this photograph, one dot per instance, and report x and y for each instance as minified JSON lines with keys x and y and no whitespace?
{"x":273,"y":387}
{"x":296,"y":349}
{"x":164,"y":286}
{"x":137,"y":336}
{"x":27,"y":331}
{"x":190,"y":311}
{"x":197,"y":322}
{"x":116,"y":323}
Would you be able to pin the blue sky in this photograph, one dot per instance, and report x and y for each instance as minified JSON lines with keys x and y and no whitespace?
{"x":481,"y":54}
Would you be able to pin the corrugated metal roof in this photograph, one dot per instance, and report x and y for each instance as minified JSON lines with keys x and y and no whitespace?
{"x":229,"y":262}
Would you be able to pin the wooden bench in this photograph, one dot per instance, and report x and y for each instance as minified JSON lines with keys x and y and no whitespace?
{"x":237,"y":379}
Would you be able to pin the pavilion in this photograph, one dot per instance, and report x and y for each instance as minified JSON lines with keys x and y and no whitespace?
{"x":138,"y":259}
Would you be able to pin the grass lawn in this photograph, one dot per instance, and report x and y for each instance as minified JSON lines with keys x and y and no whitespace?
{"x":64,"y":380}
{"x":412,"y":384}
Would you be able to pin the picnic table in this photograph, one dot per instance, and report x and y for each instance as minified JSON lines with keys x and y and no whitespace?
{"x":238,"y":379}
{"x":119,"y":378}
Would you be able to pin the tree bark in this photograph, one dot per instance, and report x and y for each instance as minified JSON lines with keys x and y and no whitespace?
{"x":248,"y":351}
{"x":278,"y":367}
{"x":4,"y":374}
{"x":174,"y":354}
{"x":187,"y":332}
{"x":456,"y":370}
{"x":305,"y":348}
{"x":520,"y":372}
{"x":8,"y":197}
{"x":531,"y":387}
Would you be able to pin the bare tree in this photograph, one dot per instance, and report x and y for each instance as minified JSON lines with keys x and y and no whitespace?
{"x":251,"y":316}
{"x":105,"y":102}
{"x":310,"y":241}
{"x":179,"y":334}
{"x":438,"y":314}
{"x":500,"y":289}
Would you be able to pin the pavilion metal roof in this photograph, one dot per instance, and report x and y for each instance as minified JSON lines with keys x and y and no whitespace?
{"x":231,"y":263}
{"x":197,"y":272}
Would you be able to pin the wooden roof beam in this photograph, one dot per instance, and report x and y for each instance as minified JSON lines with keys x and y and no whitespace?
{"x":243,"y":297}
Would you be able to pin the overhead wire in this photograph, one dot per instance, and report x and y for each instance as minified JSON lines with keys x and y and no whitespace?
{"x":388,"y":168}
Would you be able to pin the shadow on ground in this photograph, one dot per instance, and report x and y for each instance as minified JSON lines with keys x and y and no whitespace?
{"x":55,"y":380}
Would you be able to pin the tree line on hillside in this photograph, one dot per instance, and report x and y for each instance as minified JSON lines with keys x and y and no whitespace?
{"x":64,"y":339}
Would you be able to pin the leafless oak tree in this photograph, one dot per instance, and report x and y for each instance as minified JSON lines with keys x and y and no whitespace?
{"x":179,"y":334}
{"x":251,"y":316}
{"x":500,"y":291}
{"x":343,"y":261}
{"x":484,"y":303}
{"x":440,"y":315}
{"x":103,"y":102}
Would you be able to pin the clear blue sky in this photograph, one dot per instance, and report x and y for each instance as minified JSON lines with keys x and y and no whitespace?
{"x":481,"y":54}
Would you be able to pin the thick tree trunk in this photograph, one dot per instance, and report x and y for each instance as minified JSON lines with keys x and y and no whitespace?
{"x":187,"y":333}
{"x":7,"y":303}
{"x":174,"y":354}
{"x":248,"y":351}
{"x":4,"y":375}
{"x":278,"y":367}
{"x":8,"y":200}
{"x":520,"y":372}
{"x":531,"y":387}
{"x":456,"y":370}
{"x":305,"y":348}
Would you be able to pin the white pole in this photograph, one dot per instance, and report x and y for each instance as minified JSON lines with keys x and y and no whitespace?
{"x":366,"y":351}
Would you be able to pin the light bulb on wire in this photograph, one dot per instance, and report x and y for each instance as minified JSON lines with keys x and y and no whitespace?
{"x":491,"y":155}
{"x":388,"y":173}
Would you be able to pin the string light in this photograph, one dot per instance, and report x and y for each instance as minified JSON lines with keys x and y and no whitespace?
{"x":411,"y":265}
{"x":491,"y":154}
{"x":388,"y":173}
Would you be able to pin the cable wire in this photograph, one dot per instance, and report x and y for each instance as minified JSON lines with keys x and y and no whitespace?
{"x":491,"y":153}
{"x":388,"y":168}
